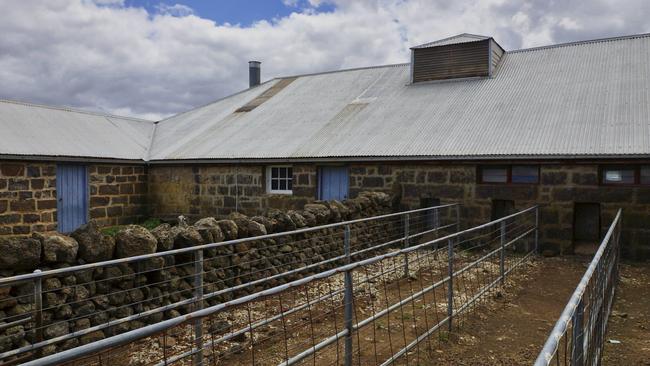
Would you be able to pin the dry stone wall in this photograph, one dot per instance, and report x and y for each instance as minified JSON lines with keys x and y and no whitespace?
{"x":79,"y":300}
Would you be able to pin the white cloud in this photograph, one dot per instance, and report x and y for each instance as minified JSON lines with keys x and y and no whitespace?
{"x":100,"y":54}
{"x":569,"y":24}
{"x":177,"y":10}
{"x":107,"y":2}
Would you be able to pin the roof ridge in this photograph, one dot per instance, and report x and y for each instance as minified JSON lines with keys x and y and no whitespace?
{"x":578,"y":43}
{"x":641,"y":35}
{"x":74,"y":110}
{"x":575,"y":43}
{"x":216,"y":100}
{"x":343,"y":70}
{"x":469,"y":35}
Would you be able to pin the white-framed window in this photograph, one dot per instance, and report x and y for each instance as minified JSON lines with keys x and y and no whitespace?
{"x":279,"y":179}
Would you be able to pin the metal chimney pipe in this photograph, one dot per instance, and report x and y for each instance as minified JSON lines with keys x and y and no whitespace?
{"x":254,"y":73}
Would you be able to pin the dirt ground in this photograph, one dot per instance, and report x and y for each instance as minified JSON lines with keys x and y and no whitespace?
{"x":508,"y":328}
{"x":512,"y":328}
{"x":630,"y":320}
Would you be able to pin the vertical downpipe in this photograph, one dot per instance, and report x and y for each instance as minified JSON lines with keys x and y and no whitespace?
{"x":198,"y":305}
{"x":348,"y":301}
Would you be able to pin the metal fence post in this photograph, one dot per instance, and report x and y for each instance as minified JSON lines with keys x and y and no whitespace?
{"x":577,"y":340}
{"x":450,"y":288}
{"x":406,"y":244}
{"x":537,"y":229}
{"x":502,"y":261}
{"x":348,"y":299}
{"x":348,"y":310}
{"x":457,"y":217}
{"x":346,"y":243}
{"x":198,"y":304}
{"x":38,"y":309}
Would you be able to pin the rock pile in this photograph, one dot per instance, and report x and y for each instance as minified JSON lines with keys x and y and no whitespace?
{"x":86,"y":298}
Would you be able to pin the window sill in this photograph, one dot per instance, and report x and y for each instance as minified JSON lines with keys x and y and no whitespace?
{"x":283,"y":193}
{"x":507,"y":184}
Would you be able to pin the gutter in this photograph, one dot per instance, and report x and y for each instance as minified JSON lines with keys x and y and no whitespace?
{"x":72,"y":159}
{"x":348,"y":159}
{"x":341,"y":159}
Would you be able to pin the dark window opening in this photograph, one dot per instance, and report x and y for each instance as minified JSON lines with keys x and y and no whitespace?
{"x":525,"y":174}
{"x":494,"y":175}
{"x":517,"y":174}
{"x":625,"y":175}
{"x":618,"y":176}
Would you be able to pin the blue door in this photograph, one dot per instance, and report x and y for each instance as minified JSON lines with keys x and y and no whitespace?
{"x":333,"y":183}
{"x":72,"y":196}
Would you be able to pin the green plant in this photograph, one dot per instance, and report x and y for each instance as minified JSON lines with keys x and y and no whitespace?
{"x":443,"y":336}
{"x":149,"y":224}
{"x":111,"y":230}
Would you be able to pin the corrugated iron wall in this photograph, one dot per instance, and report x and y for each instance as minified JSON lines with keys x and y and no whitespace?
{"x":496,"y":54}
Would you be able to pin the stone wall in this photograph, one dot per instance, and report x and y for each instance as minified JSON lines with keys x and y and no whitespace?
{"x":81,"y":299}
{"x":212,"y":190}
{"x":27,"y":197}
{"x":28,"y":201}
{"x":218,"y":190}
{"x":118,"y":194}
{"x":561,"y":186}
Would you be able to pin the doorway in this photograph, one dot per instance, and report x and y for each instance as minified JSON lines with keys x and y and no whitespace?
{"x":71,"y":196}
{"x":586,"y":228}
{"x":502,"y":208}
{"x":333,"y":183}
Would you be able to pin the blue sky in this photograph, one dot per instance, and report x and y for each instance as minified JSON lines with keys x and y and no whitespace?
{"x":233,"y":11}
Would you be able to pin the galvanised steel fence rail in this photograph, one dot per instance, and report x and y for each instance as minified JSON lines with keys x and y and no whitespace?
{"x":389,"y":308}
{"x":578,"y":336}
{"x":64,"y":308}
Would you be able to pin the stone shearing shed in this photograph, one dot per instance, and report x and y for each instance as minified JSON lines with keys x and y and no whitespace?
{"x":566,"y":126}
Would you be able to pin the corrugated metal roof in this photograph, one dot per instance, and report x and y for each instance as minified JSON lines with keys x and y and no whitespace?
{"x":34,"y":130}
{"x":460,"y":38}
{"x":581,"y":99}
{"x":578,"y":100}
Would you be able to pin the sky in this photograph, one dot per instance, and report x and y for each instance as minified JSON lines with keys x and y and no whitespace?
{"x":155,"y":58}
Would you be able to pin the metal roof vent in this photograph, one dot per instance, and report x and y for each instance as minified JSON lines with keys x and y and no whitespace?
{"x":462,"y":56}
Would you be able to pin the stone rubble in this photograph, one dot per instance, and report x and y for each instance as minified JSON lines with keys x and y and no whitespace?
{"x":76,"y":301}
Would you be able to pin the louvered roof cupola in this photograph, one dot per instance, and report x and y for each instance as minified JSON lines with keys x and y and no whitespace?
{"x":462,"y":56}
